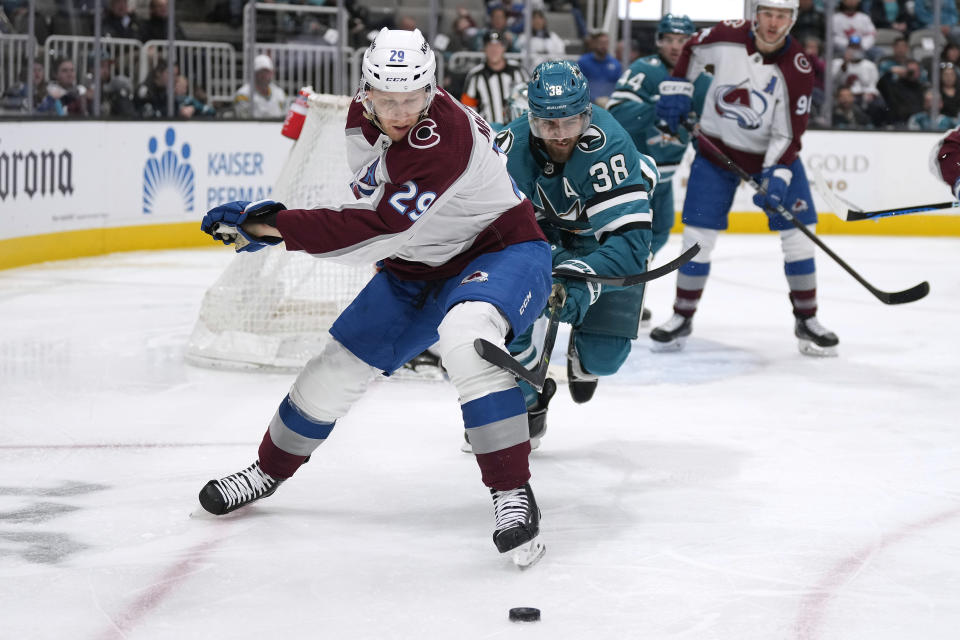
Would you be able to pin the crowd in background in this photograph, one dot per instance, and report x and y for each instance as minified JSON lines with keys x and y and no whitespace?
{"x":882,"y":69}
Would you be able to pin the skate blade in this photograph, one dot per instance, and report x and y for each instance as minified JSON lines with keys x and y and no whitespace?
{"x":668,"y":347}
{"x":535,"y":443}
{"x":810,"y":348}
{"x":528,"y":554}
{"x":201,"y":514}
{"x":466,"y":447}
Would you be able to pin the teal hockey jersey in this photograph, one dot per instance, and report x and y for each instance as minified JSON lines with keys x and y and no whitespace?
{"x":633,"y":102}
{"x":595,"y":207}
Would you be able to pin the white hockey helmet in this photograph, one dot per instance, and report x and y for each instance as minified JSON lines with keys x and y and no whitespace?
{"x":792,"y":5}
{"x":399,"y":61}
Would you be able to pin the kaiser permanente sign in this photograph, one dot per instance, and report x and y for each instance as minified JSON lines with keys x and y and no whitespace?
{"x":75,"y":188}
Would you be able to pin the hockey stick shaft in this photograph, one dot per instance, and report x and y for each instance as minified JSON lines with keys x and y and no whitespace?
{"x":887,"y":297}
{"x":638,"y":278}
{"x":538,"y":375}
{"x":847,"y":211}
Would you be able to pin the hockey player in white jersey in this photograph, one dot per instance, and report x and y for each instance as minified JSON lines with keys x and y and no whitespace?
{"x":461,"y":258}
{"x":755,"y":112}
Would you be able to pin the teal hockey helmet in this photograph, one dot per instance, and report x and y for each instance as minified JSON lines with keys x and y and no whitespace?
{"x":558,"y":94}
{"x":673,"y":23}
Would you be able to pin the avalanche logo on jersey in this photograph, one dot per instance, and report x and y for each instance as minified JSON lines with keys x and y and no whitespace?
{"x":547,"y":210}
{"x":592,"y":140}
{"x":736,"y":102}
{"x":168,"y":179}
{"x":476,"y":276}
{"x":365,"y":185}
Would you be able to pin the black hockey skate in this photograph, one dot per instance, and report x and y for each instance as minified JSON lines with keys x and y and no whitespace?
{"x":536,"y":417}
{"x":237,"y":490}
{"x":582,"y":385}
{"x":814,"y":338}
{"x":517,"y":525}
{"x":671,"y":335}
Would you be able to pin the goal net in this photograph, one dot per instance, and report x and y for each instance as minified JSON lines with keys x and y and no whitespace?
{"x":272,"y":308}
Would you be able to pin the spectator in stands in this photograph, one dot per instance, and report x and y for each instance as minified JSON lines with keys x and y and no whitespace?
{"x":464,"y":36}
{"x":497,"y":22}
{"x":151,"y":98}
{"x":544,"y":44}
{"x":267,"y":100}
{"x":155,"y":28}
{"x":899,"y":57}
{"x":190,"y":106}
{"x":64,"y":96}
{"x":921,"y":121}
{"x":116,"y":91}
{"x":488,"y":85}
{"x":902,"y":90}
{"x":891,"y":14}
{"x":949,"y":96}
{"x":810,"y":22}
{"x":812,"y":49}
{"x":15,"y":96}
{"x":601,"y":69}
{"x":856,"y":72}
{"x":923,"y":10}
{"x":849,"y":21}
{"x":513,"y":12}
{"x":950,"y":53}
{"x":846,"y":112}
{"x":120,"y":22}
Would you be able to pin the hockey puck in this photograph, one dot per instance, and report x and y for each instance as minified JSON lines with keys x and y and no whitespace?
{"x":524,"y":614}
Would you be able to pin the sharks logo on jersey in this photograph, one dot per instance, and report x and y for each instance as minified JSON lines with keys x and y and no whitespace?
{"x":504,"y":140}
{"x":740,"y":103}
{"x":546,"y":208}
{"x":592,"y":140}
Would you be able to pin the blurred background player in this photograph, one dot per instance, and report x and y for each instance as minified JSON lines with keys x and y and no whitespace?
{"x":756,"y":110}
{"x":945,"y":161}
{"x":591,"y":189}
{"x":633,"y":104}
{"x":461,"y":258}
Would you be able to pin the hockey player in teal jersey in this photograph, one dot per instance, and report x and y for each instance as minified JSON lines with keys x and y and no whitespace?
{"x":591,"y":189}
{"x":633,"y":102}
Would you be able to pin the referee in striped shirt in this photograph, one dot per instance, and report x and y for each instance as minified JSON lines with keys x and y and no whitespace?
{"x":487,"y":86}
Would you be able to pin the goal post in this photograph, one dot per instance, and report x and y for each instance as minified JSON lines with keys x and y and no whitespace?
{"x":271,"y":309}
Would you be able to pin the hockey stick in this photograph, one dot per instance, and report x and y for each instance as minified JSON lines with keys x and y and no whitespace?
{"x":846,"y":210}
{"x":638,"y":278}
{"x":887,"y":297}
{"x":538,"y":375}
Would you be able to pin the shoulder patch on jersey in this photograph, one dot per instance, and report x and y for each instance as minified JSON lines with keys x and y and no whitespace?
{"x":505,"y":140}
{"x":593,"y":140}
{"x":424,"y":135}
{"x":801,"y":63}
{"x":736,"y":24}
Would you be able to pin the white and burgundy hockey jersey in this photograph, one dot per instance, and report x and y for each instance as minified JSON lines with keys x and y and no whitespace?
{"x":426,"y":205}
{"x":758,"y":106}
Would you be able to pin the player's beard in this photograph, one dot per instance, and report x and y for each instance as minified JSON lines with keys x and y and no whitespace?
{"x":560,"y":150}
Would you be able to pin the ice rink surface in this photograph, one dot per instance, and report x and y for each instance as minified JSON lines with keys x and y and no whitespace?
{"x":737,"y":490}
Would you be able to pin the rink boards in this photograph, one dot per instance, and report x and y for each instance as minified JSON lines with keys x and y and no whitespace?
{"x":71,"y":189}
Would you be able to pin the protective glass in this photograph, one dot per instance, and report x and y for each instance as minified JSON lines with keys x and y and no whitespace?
{"x":560,"y":128}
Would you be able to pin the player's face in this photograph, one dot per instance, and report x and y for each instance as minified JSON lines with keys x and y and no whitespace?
{"x":397,"y":111}
{"x":772,"y":26}
{"x":670,"y":45}
{"x":559,"y":135}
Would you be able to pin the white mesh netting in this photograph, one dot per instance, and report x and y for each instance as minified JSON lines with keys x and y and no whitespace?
{"x":272,"y":308}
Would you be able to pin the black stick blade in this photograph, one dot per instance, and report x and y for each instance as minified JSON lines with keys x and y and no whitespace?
{"x":907,"y":295}
{"x":497,"y":356}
